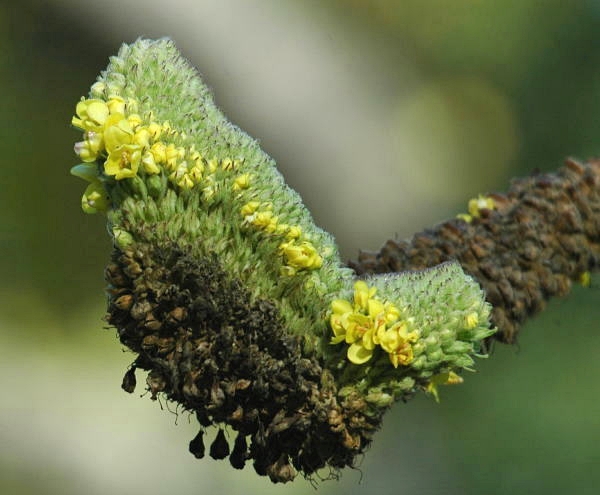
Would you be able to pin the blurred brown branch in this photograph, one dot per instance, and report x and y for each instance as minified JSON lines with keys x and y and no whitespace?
{"x":543,"y":234}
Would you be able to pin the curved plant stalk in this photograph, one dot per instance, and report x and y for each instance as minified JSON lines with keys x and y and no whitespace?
{"x":238,"y":306}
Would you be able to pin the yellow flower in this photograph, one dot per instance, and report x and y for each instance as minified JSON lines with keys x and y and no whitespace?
{"x":95,"y":198}
{"x":362,"y":294}
{"x":173,"y":155}
{"x":149,"y":163}
{"x":142,"y":136}
{"x":117,"y":132}
{"x":116,"y":104}
{"x":159,"y":151}
{"x":196,"y":173}
{"x":155,"y":130}
{"x":301,"y":256}
{"x":448,"y":378}
{"x":340,"y":308}
{"x":465,"y":217}
{"x":134,"y":120}
{"x":196,"y":158}
{"x":354,"y":328}
{"x":264,"y":220}
{"x":294,"y":232}
{"x":249,"y":208}
{"x":392,"y":313}
{"x":123,"y":162}
{"x":91,"y":115}
{"x":212,"y":165}
{"x":471,"y":320}
{"x":241,"y":182}
{"x":91,"y":147}
{"x":479,"y":203}
{"x":396,"y":341}
{"x":585,"y":279}
{"x":181,"y":176}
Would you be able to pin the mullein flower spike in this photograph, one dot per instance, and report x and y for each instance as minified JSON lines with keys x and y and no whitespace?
{"x":235,"y":303}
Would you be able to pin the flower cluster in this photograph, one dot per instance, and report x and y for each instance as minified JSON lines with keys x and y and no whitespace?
{"x":368,"y":322}
{"x":297,"y":251}
{"x":475,"y":206}
{"x":128,"y":144}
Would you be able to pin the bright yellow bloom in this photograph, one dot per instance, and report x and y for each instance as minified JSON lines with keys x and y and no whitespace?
{"x":196,"y":173}
{"x":117,"y":132}
{"x":116,"y":104}
{"x":340,"y":308}
{"x":173,"y":155}
{"x":362,"y":294}
{"x":181,"y":176}
{"x":166,"y":128}
{"x":301,"y":256}
{"x":479,"y":203}
{"x":241,"y":182}
{"x":368,"y":322}
{"x":142,"y":136}
{"x":249,"y":208}
{"x":155,"y":130}
{"x":294,"y":232}
{"x":159,"y":151}
{"x":123,"y":162}
{"x":91,"y":115}
{"x":264,"y":220}
{"x":396,"y":342}
{"x":291,"y":232}
{"x":134,"y":120}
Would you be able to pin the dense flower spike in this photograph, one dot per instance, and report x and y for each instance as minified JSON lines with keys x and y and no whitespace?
{"x":235,"y":303}
{"x":540,"y":237}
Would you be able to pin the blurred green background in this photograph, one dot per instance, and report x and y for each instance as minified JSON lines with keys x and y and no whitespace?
{"x":387,"y":117}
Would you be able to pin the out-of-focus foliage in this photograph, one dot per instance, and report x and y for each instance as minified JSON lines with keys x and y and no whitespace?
{"x":386,"y":116}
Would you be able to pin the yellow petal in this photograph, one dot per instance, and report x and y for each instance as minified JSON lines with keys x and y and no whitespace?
{"x":375,"y":308}
{"x":357,"y":354}
{"x":341,"y":306}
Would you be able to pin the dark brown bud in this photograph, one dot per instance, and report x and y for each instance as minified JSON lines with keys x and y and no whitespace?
{"x":281,"y":471}
{"x":124,"y":302}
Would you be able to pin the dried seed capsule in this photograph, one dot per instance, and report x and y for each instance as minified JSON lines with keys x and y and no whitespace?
{"x":219,"y":448}
{"x":197,"y":445}
{"x":129,"y":381}
{"x":240,"y":448}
